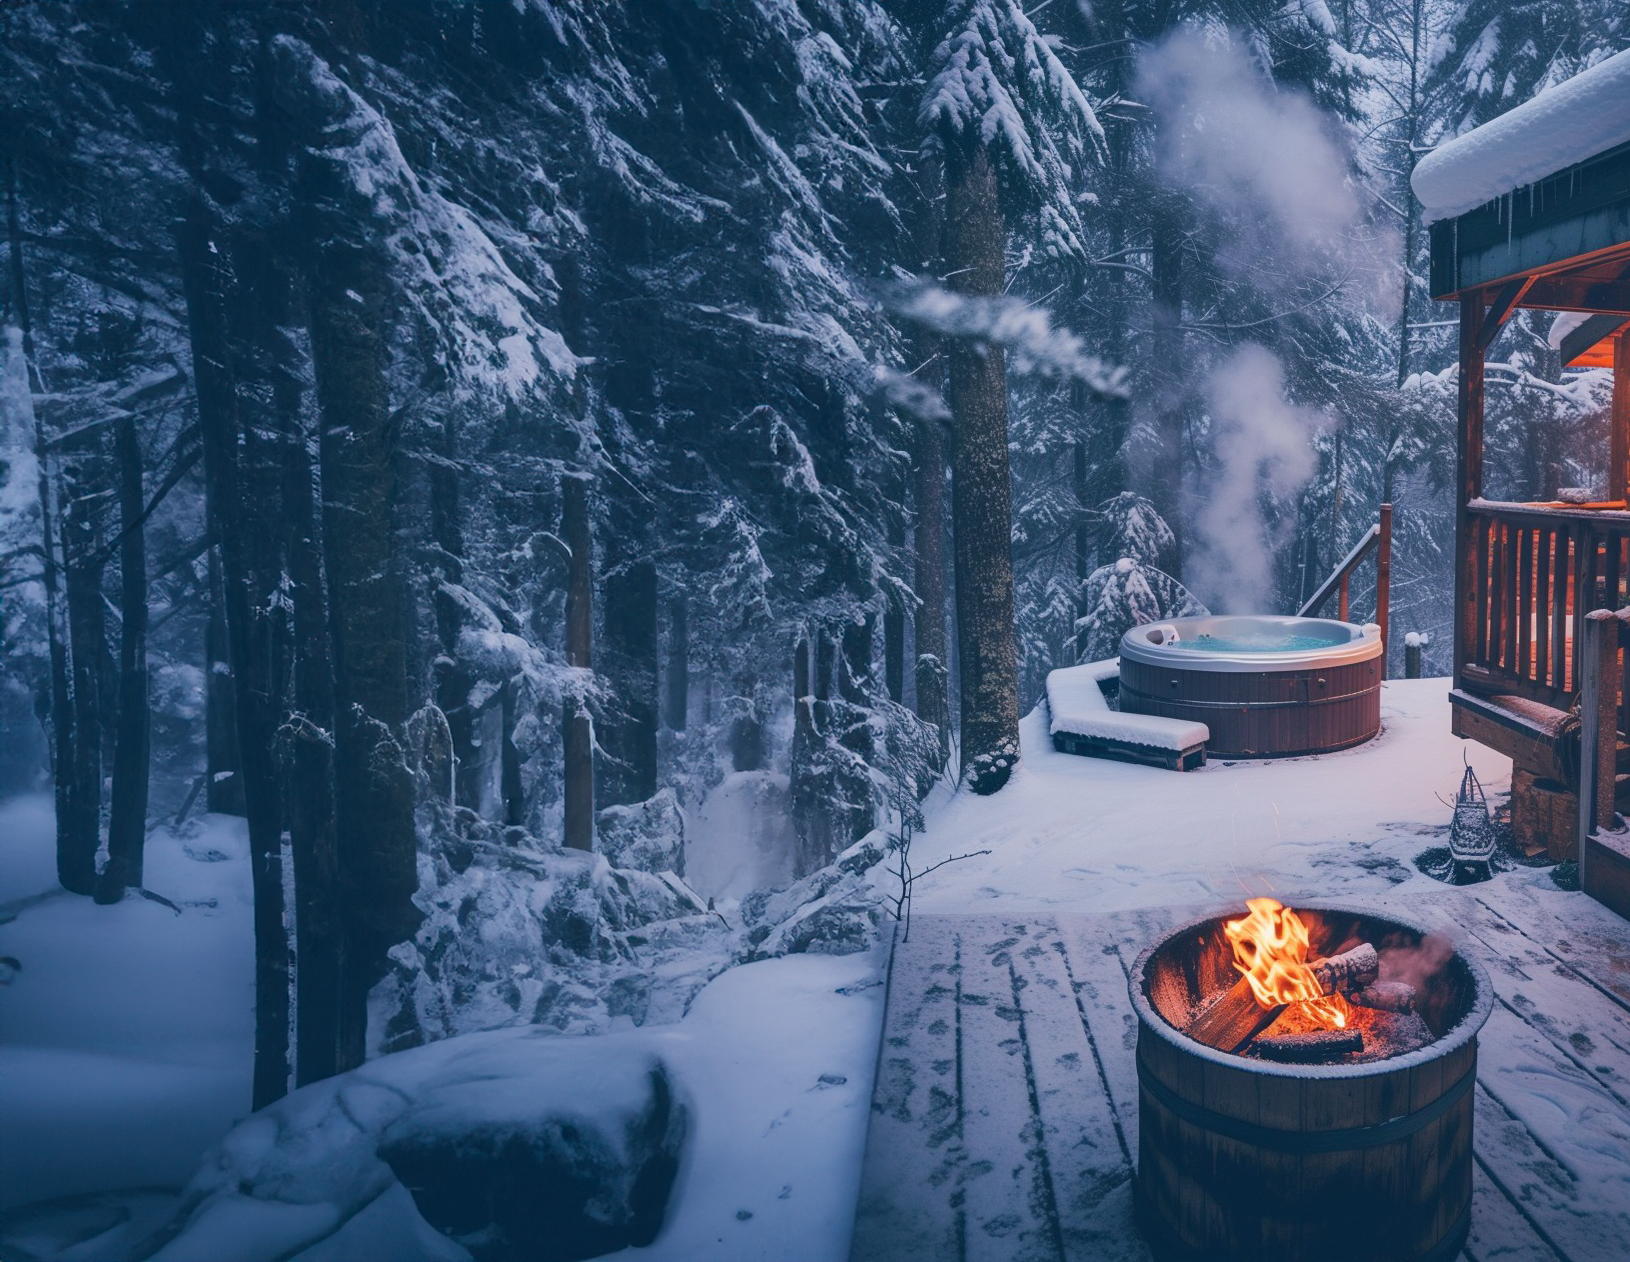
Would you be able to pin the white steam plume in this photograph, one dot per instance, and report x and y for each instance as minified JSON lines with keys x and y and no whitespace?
{"x":1267,"y":159}
{"x":1262,"y":449}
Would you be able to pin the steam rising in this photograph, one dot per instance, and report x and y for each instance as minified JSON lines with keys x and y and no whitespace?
{"x":1266,"y":158}
{"x":1261,"y":445}
{"x":1270,"y":177}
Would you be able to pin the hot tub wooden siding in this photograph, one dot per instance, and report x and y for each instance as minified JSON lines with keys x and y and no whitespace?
{"x":1263,"y":714}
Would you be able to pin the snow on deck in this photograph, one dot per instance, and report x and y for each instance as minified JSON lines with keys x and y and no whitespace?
{"x":1004,"y":1116}
{"x":1566,"y":124}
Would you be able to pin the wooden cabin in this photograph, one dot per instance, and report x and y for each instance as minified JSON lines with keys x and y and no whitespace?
{"x":1533,"y":210}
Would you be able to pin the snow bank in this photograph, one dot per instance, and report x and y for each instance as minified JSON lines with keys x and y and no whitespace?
{"x":1587,"y":115}
{"x":741,"y":837}
{"x":772,"y":1068}
{"x":1077,"y":705}
{"x":126,"y":1037}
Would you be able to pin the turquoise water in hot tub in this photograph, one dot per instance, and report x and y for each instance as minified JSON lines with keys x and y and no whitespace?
{"x":1279,"y":642}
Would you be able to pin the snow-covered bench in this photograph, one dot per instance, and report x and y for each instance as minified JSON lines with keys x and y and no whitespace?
{"x":1083,"y":723}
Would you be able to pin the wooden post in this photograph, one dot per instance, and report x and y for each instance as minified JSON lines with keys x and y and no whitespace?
{"x":1342,"y":601}
{"x":579,"y":735}
{"x":1618,"y":473}
{"x":1383,"y":584}
{"x":1469,"y":472}
{"x":1412,"y":658}
{"x":1598,"y":733}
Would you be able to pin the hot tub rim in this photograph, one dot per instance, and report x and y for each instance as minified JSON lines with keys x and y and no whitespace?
{"x":1456,"y":1037}
{"x":1363,"y":644}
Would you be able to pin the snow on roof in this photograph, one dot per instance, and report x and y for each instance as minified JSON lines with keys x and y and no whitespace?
{"x":1575,"y":120}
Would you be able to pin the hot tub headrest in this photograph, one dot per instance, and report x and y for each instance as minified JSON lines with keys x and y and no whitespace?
{"x":1162,"y":633}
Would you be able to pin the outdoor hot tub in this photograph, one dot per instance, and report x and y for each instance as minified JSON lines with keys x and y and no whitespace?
{"x":1266,"y":687}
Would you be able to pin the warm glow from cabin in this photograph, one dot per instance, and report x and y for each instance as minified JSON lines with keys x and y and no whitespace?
{"x":1597,"y":356}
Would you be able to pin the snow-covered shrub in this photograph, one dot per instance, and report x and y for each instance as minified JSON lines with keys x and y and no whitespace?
{"x":990,"y":770}
{"x":1124,"y":595}
{"x":519,"y":933}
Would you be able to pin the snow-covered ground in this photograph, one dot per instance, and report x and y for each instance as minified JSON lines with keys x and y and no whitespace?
{"x":125,"y":1047}
{"x":1087,"y":835}
{"x":125,"y":1040}
{"x":125,"y":1037}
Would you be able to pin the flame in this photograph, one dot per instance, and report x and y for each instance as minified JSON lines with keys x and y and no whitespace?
{"x":1270,"y":949}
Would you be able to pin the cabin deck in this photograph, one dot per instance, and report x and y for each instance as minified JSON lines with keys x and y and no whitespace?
{"x":1004,"y":1120}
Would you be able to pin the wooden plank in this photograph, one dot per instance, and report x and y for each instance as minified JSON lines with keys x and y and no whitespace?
{"x":1468,"y":475}
{"x":1510,"y":537}
{"x":1556,"y":1141}
{"x":1619,"y":421}
{"x":1472,"y":718}
{"x":1559,"y":609}
{"x":908,"y":1207}
{"x":1524,"y":663}
{"x":1006,"y":1179}
{"x":1098,"y":950}
{"x":1503,"y":1228}
{"x":1605,"y":870}
{"x":1546,"y":543}
{"x":1087,"y":1156}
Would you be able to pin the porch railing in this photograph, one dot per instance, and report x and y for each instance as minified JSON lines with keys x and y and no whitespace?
{"x":1526,"y":570}
{"x":1377,"y":539}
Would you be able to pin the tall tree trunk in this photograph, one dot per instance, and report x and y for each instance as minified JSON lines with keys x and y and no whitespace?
{"x":982,"y":491}
{"x":746,"y":736}
{"x":76,"y":871}
{"x":579,"y":733}
{"x":894,"y":614}
{"x":223,"y":793}
{"x":127,"y":818}
{"x":244,"y":584}
{"x":79,"y":834}
{"x":306,"y":739}
{"x":628,"y":659}
{"x":678,"y":680}
{"x":933,"y":643}
{"x":378,"y":852}
{"x":1166,"y":372}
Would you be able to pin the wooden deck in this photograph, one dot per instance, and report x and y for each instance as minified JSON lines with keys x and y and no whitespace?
{"x":1004,"y":1118}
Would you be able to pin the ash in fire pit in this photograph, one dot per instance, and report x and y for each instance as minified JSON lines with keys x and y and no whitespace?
{"x":1332,"y":1050}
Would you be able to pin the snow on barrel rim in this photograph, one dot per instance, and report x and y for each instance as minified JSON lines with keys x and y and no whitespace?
{"x":1569,"y":123}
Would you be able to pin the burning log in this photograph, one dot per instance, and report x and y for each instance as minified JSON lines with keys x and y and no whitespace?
{"x":1351,"y":970}
{"x":1387,"y":996}
{"x":1236,"y":1016}
{"x":1232,"y":1019}
{"x":1306,"y":1049}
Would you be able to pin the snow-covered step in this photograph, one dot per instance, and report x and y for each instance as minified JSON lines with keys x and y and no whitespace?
{"x":1083,"y":723}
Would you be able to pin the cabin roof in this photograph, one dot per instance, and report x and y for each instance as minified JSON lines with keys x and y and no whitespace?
{"x":1566,"y":124}
{"x":1539,"y":199}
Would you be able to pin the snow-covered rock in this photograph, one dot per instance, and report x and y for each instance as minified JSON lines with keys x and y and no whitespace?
{"x":647,"y":836}
{"x":834,"y":911}
{"x":512,"y":1145}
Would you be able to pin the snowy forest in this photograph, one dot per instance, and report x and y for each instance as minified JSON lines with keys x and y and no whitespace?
{"x":457,"y":434}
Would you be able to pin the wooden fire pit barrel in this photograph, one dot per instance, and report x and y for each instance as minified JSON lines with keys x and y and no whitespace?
{"x":1246,"y":1159}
